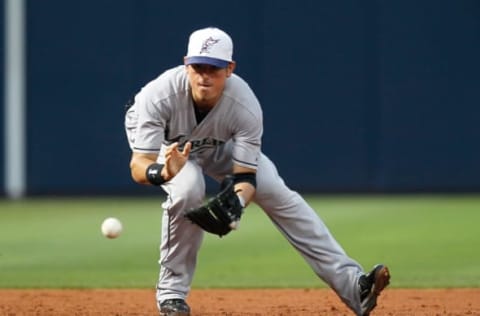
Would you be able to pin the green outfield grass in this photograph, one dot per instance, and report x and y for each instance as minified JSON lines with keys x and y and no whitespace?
{"x":427,"y":241}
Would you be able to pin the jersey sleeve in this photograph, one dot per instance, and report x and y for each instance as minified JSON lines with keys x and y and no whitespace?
{"x":150,"y":131}
{"x":247,"y":139}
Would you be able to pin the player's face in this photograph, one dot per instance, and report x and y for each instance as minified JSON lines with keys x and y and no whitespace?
{"x":208,"y":82}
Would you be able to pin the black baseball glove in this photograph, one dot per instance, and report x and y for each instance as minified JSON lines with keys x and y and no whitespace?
{"x":221,"y":213}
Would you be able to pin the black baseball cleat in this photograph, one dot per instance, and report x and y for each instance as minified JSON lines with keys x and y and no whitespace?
{"x":371,"y":285}
{"x":174,"y":307}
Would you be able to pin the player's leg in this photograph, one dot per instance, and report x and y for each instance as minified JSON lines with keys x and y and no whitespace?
{"x":306,"y":231}
{"x":181,"y":239}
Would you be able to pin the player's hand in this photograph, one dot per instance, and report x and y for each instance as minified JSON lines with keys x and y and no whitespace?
{"x":175,"y":160}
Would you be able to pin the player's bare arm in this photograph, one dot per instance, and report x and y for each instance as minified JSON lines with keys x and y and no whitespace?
{"x":139,"y":164}
{"x":244,"y":189}
{"x":142,"y":163}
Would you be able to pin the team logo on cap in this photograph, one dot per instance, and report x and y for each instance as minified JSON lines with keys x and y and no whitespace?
{"x":207,"y":44}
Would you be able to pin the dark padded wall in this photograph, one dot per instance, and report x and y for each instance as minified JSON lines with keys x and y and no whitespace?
{"x":357,"y":96}
{"x":430,"y":96}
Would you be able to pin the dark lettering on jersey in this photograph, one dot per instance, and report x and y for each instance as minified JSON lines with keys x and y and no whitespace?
{"x":197,"y":144}
{"x":208,"y":142}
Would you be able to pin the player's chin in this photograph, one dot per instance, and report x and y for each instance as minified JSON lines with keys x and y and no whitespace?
{"x":206,"y":97}
{"x":205,"y":91}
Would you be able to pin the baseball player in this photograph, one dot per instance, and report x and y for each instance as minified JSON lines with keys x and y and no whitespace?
{"x":201,"y":119}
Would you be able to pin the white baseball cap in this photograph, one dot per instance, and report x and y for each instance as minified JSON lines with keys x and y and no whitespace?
{"x":209,"y":46}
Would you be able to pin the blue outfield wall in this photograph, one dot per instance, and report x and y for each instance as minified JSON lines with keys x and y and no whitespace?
{"x":362,"y":96}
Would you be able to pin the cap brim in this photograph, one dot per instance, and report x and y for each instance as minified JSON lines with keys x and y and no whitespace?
{"x":206,"y":60}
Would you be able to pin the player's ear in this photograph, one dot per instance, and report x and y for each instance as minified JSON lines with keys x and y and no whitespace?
{"x":230,"y":68}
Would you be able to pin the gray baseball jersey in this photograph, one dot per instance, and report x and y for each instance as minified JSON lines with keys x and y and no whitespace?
{"x":163,"y":113}
{"x":166,"y":115}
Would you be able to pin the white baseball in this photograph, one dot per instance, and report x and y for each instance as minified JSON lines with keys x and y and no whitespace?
{"x":112,"y":227}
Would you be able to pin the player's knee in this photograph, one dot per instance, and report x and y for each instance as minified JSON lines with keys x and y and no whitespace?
{"x":187,"y":189}
{"x":184,"y":202}
{"x":187,"y":196}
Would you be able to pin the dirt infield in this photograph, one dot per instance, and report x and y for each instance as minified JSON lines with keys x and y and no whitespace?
{"x":235,"y":302}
